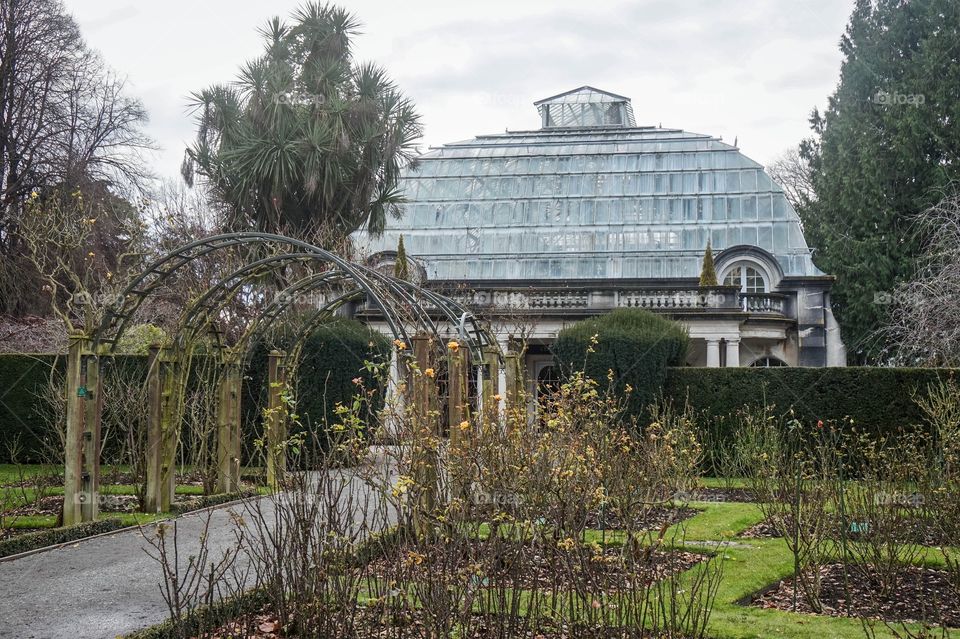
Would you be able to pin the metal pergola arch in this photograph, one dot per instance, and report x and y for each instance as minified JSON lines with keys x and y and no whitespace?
{"x":132,"y":297}
{"x":399,"y":303}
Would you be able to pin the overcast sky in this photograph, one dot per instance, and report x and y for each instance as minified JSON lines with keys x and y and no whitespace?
{"x":746,"y":69}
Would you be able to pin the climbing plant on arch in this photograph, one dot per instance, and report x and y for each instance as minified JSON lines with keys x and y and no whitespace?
{"x":280,"y":275}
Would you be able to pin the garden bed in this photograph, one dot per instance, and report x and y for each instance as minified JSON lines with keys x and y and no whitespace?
{"x":922,"y":594}
{"x":375,"y":622}
{"x":720,"y":494}
{"x":35,"y":539}
{"x":536,"y":565}
{"x":916,"y":532}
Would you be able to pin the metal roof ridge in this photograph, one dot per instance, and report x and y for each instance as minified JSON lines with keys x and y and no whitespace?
{"x":572,"y":91}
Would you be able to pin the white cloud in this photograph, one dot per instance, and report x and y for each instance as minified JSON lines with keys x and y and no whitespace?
{"x":747,"y":70}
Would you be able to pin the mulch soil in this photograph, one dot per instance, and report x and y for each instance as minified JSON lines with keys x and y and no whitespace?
{"x":922,"y":594}
{"x":51,"y":505}
{"x":534,"y":565}
{"x":378,"y":623}
{"x":720,"y":494}
{"x":916,"y":531}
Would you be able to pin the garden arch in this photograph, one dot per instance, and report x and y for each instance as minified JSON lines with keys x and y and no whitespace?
{"x":408,"y":311}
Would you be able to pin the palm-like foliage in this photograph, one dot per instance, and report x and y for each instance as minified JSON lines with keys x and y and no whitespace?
{"x":306,"y":140}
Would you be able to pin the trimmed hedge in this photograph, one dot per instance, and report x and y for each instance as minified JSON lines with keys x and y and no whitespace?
{"x":43,"y":538}
{"x":23,"y":379}
{"x":208,"y":501}
{"x":205,"y":618}
{"x":635,"y":344}
{"x":877,"y":399}
{"x":24,"y":409}
{"x":332,"y":357}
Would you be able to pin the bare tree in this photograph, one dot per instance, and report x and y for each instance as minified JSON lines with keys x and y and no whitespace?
{"x":74,"y":263}
{"x":65,"y":124}
{"x":924,"y":314}
{"x":792,"y":172}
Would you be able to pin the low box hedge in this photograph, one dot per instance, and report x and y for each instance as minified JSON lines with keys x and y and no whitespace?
{"x":43,"y":538}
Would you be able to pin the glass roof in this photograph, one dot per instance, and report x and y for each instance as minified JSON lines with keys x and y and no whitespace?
{"x":585,"y":107}
{"x":588,"y":202}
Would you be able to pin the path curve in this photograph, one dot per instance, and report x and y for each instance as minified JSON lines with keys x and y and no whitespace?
{"x":103,"y":587}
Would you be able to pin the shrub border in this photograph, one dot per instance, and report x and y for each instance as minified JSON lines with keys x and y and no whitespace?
{"x":33,"y":542}
{"x":44,"y":540}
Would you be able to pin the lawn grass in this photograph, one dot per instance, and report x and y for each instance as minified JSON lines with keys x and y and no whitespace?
{"x":14,"y":496}
{"x":753,"y":564}
{"x":724,"y":482}
{"x":10,"y":473}
{"x":750,"y":564}
{"x":50,"y":521}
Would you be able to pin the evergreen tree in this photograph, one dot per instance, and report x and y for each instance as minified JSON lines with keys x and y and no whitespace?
{"x":885,"y":149}
{"x":401,"y":268}
{"x":708,"y":274}
{"x":308,"y":140}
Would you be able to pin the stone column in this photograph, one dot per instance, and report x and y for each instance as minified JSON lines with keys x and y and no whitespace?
{"x":733,"y":352}
{"x":513,"y":378}
{"x":396,"y":394}
{"x":713,"y":353}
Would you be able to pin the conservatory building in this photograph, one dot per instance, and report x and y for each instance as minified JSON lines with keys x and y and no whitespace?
{"x":537,"y":229}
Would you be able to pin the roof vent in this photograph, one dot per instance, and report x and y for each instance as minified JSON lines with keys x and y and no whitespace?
{"x":585,"y":107}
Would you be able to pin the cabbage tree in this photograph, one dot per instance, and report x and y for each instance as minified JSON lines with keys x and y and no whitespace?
{"x":306,"y":140}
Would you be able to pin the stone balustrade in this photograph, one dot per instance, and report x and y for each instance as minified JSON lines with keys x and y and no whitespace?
{"x":672,"y":300}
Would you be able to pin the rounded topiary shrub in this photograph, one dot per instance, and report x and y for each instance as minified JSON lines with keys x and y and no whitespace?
{"x":332,"y":357}
{"x":636,"y":345}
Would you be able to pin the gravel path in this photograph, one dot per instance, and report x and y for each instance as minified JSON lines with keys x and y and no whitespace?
{"x":103,"y":587}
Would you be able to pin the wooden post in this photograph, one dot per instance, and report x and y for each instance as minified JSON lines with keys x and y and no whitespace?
{"x":163,"y":428}
{"x":154,"y":399}
{"x":169,"y":424}
{"x":458,"y":373}
{"x":426,"y":431}
{"x":93,"y":407}
{"x":514,"y":378}
{"x":275,"y":424}
{"x":458,"y":411}
{"x":491,"y":380}
{"x":82,"y":455}
{"x":228,"y":426}
{"x":424,"y":383}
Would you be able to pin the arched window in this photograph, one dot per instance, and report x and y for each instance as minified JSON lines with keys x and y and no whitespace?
{"x":548,"y":380}
{"x":768,"y":362}
{"x":747,"y":278}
